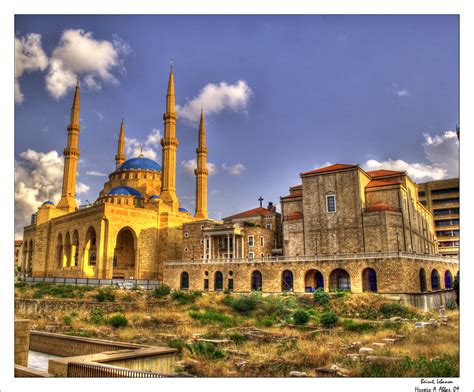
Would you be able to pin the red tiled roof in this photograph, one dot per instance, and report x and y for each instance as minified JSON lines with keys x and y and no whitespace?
{"x":18,"y":242}
{"x":337,"y":166}
{"x":378,"y":207}
{"x":293,"y":195}
{"x":383,"y":173}
{"x":377,"y":183}
{"x":254,"y":212}
{"x":294,"y":216}
{"x":296,"y":187}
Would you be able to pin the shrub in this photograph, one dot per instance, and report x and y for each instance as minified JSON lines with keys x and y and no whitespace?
{"x":300,"y":317}
{"x":320,"y":297}
{"x":266,"y":321}
{"x":342,"y":293}
{"x":244,"y":304}
{"x":60,"y":291}
{"x":96,"y":316}
{"x":394,"y":309}
{"x":178,"y":344}
{"x":329,"y":319}
{"x":117,"y":320}
{"x":206,"y":350}
{"x":354,"y":326}
{"x":105,"y":294}
{"x":67,"y":320}
{"x":161,"y":291}
{"x":210,"y":316}
{"x":22,"y":286}
{"x":184,"y":297}
{"x":237,"y":338}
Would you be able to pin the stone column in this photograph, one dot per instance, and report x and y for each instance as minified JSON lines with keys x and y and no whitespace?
{"x":228,"y":246}
{"x":22,"y":341}
{"x":233,"y":246}
{"x":210,"y":246}
{"x":205,"y":243}
{"x":243,"y":242}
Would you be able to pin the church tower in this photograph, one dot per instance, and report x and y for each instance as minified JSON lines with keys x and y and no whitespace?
{"x":120,"y":157}
{"x":169,"y":143}
{"x":201,"y":172}
{"x":71,"y":156}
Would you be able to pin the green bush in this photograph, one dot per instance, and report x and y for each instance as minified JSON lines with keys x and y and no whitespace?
{"x":105,"y":294}
{"x":20,"y":285}
{"x":300,"y":316}
{"x":206,"y":350}
{"x":394,"y":309}
{"x":237,"y":338}
{"x":329,"y":319}
{"x":354,"y":326}
{"x":117,"y":320}
{"x":184,"y":297}
{"x":96,"y":316}
{"x":245,"y":304}
{"x":320,"y":297}
{"x":161,"y":291}
{"x":342,"y":293}
{"x":178,"y":344}
{"x":67,"y":320}
{"x":213,"y":317}
{"x":60,"y":291}
{"x":266,"y":321}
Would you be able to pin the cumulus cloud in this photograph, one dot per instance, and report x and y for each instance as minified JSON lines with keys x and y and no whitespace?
{"x":189,"y":166}
{"x":417,"y":171}
{"x":80,"y":54}
{"x":401,"y":93}
{"x":96,"y":174}
{"x":29,"y":56}
{"x":38,"y":177}
{"x":134,"y":147}
{"x":235,"y":170}
{"x":216,"y":98}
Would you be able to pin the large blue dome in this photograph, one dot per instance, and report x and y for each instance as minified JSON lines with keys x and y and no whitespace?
{"x":124,"y":191}
{"x":140,"y":163}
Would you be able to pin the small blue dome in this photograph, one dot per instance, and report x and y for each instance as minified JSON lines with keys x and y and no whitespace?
{"x":48,"y":202}
{"x":140,"y":163}
{"x":182,"y":209}
{"x":124,"y":190}
{"x":153,"y":197}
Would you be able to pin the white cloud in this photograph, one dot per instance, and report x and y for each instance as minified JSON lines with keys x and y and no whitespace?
{"x":29,"y":56}
{"x":38,"y":177}
{"x":80,"y":54}
{"x":189,"y":166}
{"x":133,"y":147}
{"x":95,"y":173}
{"x":215,"y":98}
{"x":235,"y":170}
{"x":401,"y":93}
{"x":323,"y":165}
{"x":418,"y":171}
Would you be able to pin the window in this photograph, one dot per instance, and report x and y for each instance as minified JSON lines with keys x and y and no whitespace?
{"x":186,"y":249}
{"x":251,"y":240}
{"x":251,"y":255}
{"x":202,"y":227}
{"x":444,"y":191}
{"x":331,"y":203}
{"x":446,"y":211}
{"x":268,"y":226}
{"x":446,"y":201}
{"x":421,"y":193}
{"x":262,"y":241}
{"x":230,"y":284}
{"x":206,"y":284}
{"x":186,"y":234}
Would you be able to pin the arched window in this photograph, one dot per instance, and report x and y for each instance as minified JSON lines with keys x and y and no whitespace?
{"x":256,"y":281}
{"x":369,"y":280}
{"x":313,"y":280}
{"x":59,"y":251}
{"x":422,"y":280}
{"x":287,"y":281}
{"x":448,"y":280}
{"x":90,"y":249}
{"x":435,"y":280}
{"x":184,"y":281}
{"x":218,"y":281}
{"x":339,"y":279}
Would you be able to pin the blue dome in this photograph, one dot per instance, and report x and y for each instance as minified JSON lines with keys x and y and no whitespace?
{"x":140,"y":164}
{"x":124,"y":190}
{"x":182,"y":209}
{"x":153,"y":197}
{"x":48,"y":202}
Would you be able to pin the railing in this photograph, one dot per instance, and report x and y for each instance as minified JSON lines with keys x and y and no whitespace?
{"x":315,"y":258}
{"x":75,"y":369}
{"x":122,"y":283}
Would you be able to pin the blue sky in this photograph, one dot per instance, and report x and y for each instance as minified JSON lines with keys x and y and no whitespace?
{"x":284,"y":94}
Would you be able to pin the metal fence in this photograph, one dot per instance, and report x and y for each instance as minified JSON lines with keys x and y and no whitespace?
{"x":75,"y":369}
{"x":122,"y":283}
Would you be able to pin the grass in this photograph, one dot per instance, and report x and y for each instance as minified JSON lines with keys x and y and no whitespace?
{"x":41,"y":290}
{"x":213,"y":317}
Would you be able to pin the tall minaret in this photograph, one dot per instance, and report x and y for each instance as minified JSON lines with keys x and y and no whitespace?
{"x":71,"y":156}
{"x":201,"y":172}
{"x":120,"y":157}
{"x":169,"y":143}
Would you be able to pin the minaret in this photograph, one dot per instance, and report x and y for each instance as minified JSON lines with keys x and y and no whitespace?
{"x":71,"y":156}
{"x":169,"y":143}
{"x":201,"y":172}
{"x":120,"y":157}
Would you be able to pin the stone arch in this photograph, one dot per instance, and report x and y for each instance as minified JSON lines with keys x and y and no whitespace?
{"x":287,"y":280}
{"x":218,"y":281}
{"x":90,"y":247}
{"x":59,"y":250}
{"x":422,"y":280}
{"x":448,"y":279}
{"x":435,"y":282}
{"x":369,"y":280}
{"x":184,"y":281}
{"x":75,"y":249}
{"x":339,"y":279}
{"x":256,"y":281}
{"x":125,"y":253}
{"x":67,"y":250}
{"x":313,"y":279}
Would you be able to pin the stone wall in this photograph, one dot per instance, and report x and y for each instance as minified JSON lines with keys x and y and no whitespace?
{"x":22,"y":341}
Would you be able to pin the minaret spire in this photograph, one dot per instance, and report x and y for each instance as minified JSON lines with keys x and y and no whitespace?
{"x":71,"y":155}
{"x":201,"y":171}
{"x":121,"y":157}
{"x":169,"y":143}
